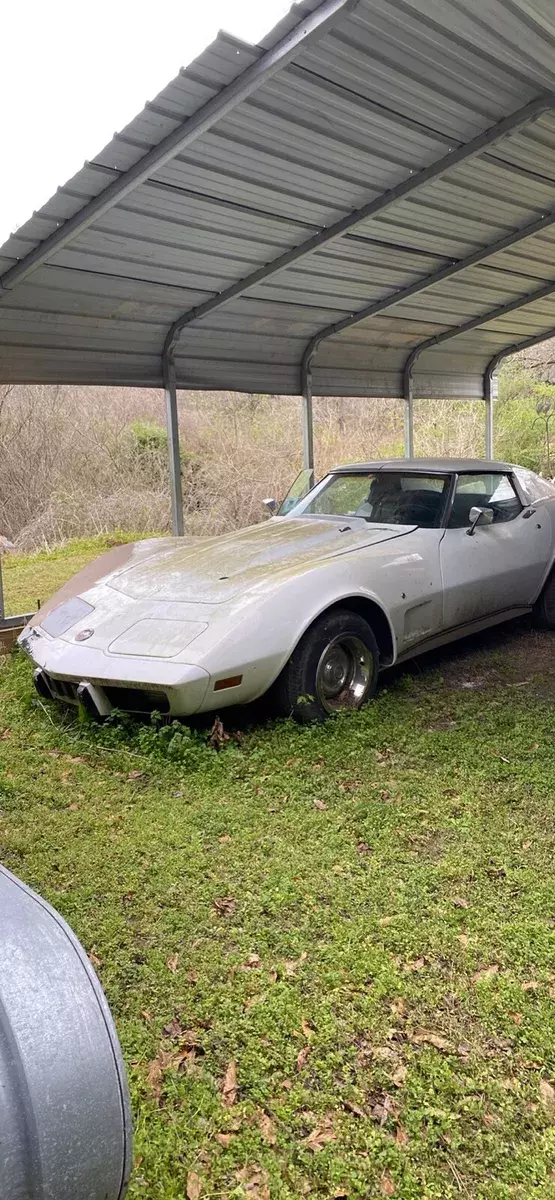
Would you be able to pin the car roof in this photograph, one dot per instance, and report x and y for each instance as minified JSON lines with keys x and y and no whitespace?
{"x":426,"y":466}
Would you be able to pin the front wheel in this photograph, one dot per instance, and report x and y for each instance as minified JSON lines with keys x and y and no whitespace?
{"x":333,"y":669}
{"x":544,"y":608}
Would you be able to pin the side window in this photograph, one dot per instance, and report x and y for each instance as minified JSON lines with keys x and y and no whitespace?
{"x":485,"y":491}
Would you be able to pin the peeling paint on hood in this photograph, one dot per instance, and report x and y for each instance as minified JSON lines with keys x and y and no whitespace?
{"x":215,"y":570}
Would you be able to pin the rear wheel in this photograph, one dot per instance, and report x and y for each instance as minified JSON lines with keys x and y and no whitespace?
{"x":544,"y":608}
{"x":333,"y":669}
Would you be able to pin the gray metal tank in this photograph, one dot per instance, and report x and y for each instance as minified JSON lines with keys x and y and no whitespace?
{"x":65,"y":1123}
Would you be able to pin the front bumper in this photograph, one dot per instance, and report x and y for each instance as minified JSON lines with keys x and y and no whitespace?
{"x":137,"y":685}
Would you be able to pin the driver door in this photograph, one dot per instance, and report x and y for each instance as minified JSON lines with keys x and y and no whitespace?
{"x":501,"y":565}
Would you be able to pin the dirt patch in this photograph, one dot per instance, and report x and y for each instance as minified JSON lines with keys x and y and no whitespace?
{"x":515,"y":656}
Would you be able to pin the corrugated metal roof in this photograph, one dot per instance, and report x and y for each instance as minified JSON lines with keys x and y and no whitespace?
{"x":296,"y":203}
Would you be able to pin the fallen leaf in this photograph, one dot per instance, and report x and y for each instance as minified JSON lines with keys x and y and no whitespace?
{"x":267,"y":1128}
{"x":385,"y":1054}
{"x":427,"y":1037}
{"x":302,"y":1057}
{"x":253,"y":960}
{"x":399,"y":1075}
{"x":192,"y":977}
{"x":292,"y":964}
{"x":530,"y":986}
{"x":383,"y":921}
{"x":353,"y":1108}
{"x":307,"y":1030}
{"x":173,"y":1029}
{"x":218,"y":737}
{"x":287,"y":1084}
{"x":526,"y":845}
{"x":6,"y":733}
{"x":224,"y":1139}
{"x":224,"y":906}
{"x":156,"y":1070}
{"x":399,"y":1007}
{"x":464,"y":939}
{"x":320,"y":1136}
{"x":459,"y":902}
{"x":255,"y":1182}
{"x":252,"y":1000}
{"x":387,"y":1186}
{"x":401,"y":1137}
{"x":146,"y":1013}
{"x":194,"y":1186}
{"x":94,"y":959}
{"x":364,"y":848}
{"x":173,"y":963}
{"x":417,"y":964}
{"x":136,"y":775}
{"x":229,"y":1085}
{"x":383,"y":1109}
{"x":320,"y":804}
{"x":224,"y":838}
{"x":73,"y":807}
{"x":516,"y":1017}
{"x":485,"y":973}
{"x":547,"y":1097}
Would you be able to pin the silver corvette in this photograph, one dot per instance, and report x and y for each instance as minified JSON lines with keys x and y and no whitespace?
{"x":375,"y":564}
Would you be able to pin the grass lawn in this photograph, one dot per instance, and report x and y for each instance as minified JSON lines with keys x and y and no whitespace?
{"x":330,"y":952}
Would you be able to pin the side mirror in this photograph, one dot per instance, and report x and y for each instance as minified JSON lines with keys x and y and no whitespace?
{"x":479,"y":516}
{"x":271,"y":505}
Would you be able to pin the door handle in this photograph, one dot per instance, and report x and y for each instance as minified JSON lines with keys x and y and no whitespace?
{"x":528,"y":512}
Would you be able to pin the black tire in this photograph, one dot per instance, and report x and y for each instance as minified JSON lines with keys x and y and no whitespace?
{"x":544,"y":608}
{"x":305,"y":688}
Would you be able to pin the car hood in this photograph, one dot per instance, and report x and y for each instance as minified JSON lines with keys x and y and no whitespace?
{"x":217,"y":569}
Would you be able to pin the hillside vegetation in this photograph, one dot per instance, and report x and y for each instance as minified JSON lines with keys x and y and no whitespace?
{"x":78,"y":462}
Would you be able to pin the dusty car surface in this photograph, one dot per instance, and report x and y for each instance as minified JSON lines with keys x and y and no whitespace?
{"x":378,"y":562}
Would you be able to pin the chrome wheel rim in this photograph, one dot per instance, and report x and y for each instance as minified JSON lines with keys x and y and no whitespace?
{"x":344,"y":673}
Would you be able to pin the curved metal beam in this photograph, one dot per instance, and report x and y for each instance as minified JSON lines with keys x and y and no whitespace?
{"x":421,"y":285}
{"x":516,"y":347}
{"x":327,"y":235}
{"x":512,"y":306}
{"x":233,"y":93}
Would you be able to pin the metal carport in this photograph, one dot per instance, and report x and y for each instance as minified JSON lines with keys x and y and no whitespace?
{"x":361,"y":205}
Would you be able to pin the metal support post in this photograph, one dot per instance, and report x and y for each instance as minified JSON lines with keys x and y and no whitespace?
{"x":308,"y":424}
{"x":488,"y":400}
{"x":172,"y":422}
{"x":409,"y":414}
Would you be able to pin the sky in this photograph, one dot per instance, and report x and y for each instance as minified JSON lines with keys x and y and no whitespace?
{"x":73,"y":73}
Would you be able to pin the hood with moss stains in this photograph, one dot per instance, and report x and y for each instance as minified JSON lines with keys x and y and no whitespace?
{"x":219,"y":569}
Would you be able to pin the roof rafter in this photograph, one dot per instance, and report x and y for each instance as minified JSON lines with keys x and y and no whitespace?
{"x":493,"y":315}
{"x":269,"y":63}
{"x":421,"y":285}
{"x":529,"y":112}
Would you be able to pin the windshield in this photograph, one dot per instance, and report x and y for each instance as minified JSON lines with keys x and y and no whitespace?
{"x":381,"y":497}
